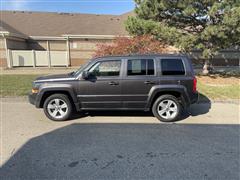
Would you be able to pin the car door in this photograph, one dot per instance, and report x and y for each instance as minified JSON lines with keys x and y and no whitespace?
{"x":138,"y":79}
{"x":102,"y":89}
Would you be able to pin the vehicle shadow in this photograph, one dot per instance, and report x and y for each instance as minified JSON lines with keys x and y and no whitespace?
{"x":128,"y":151}
{"x":201,"y":107}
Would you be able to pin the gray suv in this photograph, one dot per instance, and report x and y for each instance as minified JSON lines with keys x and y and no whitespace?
{"x":164,"y":84}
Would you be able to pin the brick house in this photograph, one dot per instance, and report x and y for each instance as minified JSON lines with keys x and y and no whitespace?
{"x":75,"y":34}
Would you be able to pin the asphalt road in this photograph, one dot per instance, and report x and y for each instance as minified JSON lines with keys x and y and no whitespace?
{"x":205,"y":145}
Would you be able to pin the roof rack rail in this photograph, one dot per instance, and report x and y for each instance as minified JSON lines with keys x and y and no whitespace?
{"x":146,"y":54}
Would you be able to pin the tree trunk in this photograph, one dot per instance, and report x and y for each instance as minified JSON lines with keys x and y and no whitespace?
{"x":206,"y":67}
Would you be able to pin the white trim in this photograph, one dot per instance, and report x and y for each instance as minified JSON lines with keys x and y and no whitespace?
{"x":8,"y":56}
{"x":10,"y":34}
{"x":71,"y":36}
{"x":47,"y":38}
{"x":4,"y":33}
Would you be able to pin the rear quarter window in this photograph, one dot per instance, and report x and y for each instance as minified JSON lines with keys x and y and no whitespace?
{"x":172,"y":67}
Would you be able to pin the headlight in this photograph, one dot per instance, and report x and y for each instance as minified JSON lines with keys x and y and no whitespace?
{"x":34,"y":91}
{"x":35,"y":87}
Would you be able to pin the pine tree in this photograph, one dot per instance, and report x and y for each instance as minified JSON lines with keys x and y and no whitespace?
{"x":207,"y":25}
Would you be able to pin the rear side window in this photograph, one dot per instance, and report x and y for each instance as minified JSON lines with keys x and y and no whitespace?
{"x":140,"y":67}
{"x":172,"y":67}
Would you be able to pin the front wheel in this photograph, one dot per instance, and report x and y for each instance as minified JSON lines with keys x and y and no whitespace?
{"x":166,"y":108}
{"x":57,"y":107}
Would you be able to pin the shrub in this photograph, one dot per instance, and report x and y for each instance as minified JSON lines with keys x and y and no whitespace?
{"x":145,"y":44}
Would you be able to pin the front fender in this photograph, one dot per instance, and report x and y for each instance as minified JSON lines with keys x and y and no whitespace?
{"x":55,"y":87}
{"x":167,"y":88}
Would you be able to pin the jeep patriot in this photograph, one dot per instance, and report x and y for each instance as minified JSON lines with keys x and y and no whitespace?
{"x":164,"y":84}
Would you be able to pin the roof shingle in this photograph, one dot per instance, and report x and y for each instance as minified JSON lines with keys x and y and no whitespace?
{"x":57,"y":24}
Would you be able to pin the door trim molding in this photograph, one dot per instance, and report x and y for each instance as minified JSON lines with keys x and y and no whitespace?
{"x":110,"y":95}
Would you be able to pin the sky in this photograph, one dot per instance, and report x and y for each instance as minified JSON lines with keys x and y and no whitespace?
{"x":75,"y":6}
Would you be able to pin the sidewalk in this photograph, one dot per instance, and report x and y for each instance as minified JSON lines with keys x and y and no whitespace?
{"x":38,"y":70}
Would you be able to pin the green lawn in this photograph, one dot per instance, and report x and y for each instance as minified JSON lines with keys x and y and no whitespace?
{"x":20,"y":85}
{"x":16,"y":85}
{"x":220,"y":92}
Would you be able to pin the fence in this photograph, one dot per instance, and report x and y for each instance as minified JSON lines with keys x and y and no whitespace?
{"x":23,"y":58}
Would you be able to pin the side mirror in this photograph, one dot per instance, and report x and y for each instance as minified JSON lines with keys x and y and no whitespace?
{"x":85,"y":74}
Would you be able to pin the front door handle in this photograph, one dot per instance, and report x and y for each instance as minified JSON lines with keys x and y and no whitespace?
{"x":149,"y":82}
{"x":113,"y":83}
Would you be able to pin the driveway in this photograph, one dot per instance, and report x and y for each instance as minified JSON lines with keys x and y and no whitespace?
{"x":120,"y":145}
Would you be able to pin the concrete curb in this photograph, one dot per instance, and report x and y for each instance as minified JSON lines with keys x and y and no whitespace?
{"x":14,"y":99}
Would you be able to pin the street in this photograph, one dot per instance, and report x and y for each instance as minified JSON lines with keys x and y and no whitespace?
{"x":204,"y":144}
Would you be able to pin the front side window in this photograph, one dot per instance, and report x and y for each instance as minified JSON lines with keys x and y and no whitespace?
{"x":172,"y":67}
{"x":106,"y":68}
{"x":140,"y":67}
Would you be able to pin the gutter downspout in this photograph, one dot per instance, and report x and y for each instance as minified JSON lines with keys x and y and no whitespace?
{"x":68,"y":52}
{"x":48,"y":54}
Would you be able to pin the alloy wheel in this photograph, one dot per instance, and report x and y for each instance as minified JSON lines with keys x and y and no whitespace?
{"x":167,"y":109}
{"x":57,"y":108}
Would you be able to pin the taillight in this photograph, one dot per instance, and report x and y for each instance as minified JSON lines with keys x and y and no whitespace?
{"x":195,"y":84}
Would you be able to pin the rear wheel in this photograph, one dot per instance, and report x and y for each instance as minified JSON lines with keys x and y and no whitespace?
{"x":57,"y":107}
{"x":166,"y":108}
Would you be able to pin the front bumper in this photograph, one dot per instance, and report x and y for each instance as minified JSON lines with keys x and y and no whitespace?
{"x":32,"y":98}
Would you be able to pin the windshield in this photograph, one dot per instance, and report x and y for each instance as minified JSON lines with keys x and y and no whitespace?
{"x":76,"y":73}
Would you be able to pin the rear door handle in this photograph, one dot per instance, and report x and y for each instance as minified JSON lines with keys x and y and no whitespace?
{"x":149,"y":82}
{"x":113,"y":83}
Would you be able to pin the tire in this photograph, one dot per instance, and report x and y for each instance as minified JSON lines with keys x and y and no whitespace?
{"x":167,"y":108}
{"x":58,"y":105}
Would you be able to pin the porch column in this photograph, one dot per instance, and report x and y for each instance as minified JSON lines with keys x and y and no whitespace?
{"x":8,"y":53}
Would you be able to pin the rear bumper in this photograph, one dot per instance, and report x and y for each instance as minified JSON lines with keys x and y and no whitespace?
{"x":194,"y":98}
